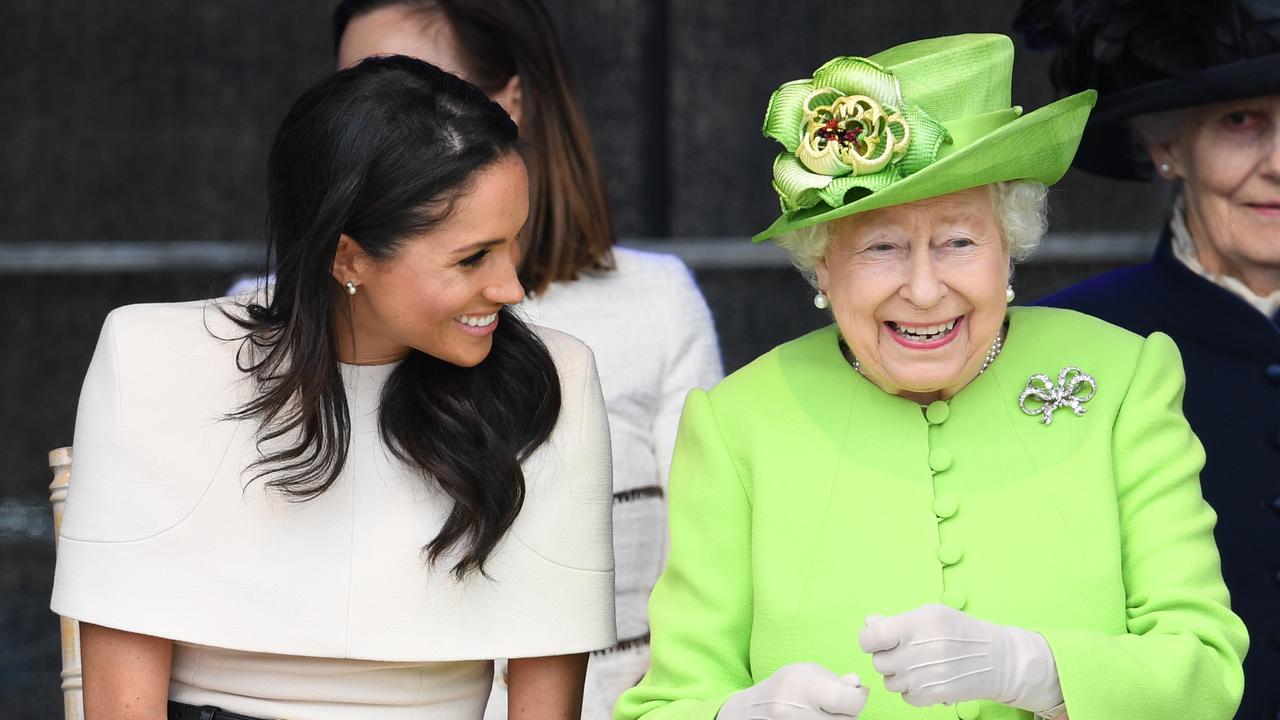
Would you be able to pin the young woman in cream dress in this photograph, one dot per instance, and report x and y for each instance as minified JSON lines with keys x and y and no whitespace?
{"x":341,"y":500}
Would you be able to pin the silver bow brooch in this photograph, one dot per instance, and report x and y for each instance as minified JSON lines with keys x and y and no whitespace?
{"x":1066,"y":394}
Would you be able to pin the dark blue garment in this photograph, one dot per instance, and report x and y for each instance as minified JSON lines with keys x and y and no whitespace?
{"x":1231,"y":353}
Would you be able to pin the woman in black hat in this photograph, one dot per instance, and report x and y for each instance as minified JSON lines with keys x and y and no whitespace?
{"x":1190,"y":93}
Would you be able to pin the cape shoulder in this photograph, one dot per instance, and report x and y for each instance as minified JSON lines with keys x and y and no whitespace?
{"x":161,"y":341}
{"x":571,"y":356}
{"x":151,"y":425}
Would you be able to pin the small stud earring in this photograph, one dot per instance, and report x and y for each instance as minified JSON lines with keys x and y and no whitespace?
{"x":1008,"y":294}
{"x":351,"y":287}
{"x":1166,"y":170}
{"x":820,"y":301}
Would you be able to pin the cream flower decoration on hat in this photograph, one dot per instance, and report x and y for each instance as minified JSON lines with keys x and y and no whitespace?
{"x":848,"y":127}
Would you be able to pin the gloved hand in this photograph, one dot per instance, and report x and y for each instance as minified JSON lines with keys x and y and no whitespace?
{"x":800,"y":691}
{"x":935,"y":654}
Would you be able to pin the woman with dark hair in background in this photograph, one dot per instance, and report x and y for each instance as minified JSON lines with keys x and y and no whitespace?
{"x":1189,"y":93}
{"x":341,"y":500}
{"x":640,"y":313}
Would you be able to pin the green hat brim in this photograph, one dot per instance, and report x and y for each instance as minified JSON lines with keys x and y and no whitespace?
{"x":1037,"y":146}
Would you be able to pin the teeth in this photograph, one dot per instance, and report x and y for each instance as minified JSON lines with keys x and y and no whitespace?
{"x":925,"y":332}
{"x":477,"y":320}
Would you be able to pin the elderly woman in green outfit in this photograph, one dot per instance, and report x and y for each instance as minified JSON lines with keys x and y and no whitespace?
{"x":940,"y":506}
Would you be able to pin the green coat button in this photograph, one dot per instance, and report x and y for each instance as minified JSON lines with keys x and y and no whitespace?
{"x":939,"y":459}
{"x":954,"y":597}
{"x":968,"y":711}
{"x":945,"y":506}
{"x":949,"y":553}
{"x":937,"y":412}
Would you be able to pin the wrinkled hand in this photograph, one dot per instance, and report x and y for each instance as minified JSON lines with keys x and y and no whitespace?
{"x":935,"y":654}
{"x":801,"y":691}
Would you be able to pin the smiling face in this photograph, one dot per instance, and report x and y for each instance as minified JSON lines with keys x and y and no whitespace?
{"x":918,"y":291}
{"x":441,"y":292}
{"x":1228,"y":156}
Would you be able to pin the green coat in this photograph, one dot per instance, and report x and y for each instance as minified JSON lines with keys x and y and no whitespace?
{"x":804,"y":498}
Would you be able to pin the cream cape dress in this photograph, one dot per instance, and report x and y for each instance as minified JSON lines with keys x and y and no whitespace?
{"x":325,"y":608}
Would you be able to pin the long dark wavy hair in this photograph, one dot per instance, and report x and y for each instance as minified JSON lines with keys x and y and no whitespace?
{"x":380,"y":152}
{"x":570,"y":229}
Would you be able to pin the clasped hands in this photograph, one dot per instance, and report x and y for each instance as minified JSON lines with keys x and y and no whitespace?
{"x":930,"y":655}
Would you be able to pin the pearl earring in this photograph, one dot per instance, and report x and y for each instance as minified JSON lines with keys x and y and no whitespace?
{"x":820,"y":301}
{"x":1165,"y":170}
{"x":351,"y":287}
{"x":1008,"y":294}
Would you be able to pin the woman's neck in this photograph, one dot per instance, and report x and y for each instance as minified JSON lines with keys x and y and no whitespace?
{"x":358,"y":346}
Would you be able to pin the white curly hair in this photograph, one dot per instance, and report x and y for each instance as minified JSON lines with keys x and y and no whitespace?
{"x":1021,"y":208}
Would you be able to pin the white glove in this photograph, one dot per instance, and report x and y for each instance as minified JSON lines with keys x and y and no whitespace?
{"x":800,"y":691}
{"x":935,"y":654}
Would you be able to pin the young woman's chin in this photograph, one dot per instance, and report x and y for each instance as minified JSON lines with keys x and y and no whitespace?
{"x":465,"y":352}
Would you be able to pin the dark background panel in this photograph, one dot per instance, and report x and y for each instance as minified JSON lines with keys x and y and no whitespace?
{"x":152,"y":120}
{"x":147,"y":120}
{"x":617,"y":51}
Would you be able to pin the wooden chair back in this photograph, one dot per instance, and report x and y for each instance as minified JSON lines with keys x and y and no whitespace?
{"x":72,"y":678}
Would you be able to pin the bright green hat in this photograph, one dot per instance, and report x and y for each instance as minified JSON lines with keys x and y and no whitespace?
{"x":913,"y":122}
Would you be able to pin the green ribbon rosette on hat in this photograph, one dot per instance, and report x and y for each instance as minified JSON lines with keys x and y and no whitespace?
{"x":846,"y":128}
{"x":911,"y":122}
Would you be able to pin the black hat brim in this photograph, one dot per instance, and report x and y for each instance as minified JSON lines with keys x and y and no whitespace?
{"x":1110,"y":148}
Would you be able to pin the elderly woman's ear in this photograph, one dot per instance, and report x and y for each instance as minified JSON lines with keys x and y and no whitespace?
{"x":1165,"y":158}
{"x":822,"y":274}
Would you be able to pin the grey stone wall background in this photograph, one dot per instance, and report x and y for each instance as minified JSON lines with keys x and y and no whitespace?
{"x":149,"y":121}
